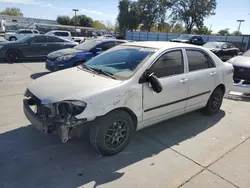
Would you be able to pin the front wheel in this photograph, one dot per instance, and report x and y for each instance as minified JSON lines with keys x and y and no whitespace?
{"x":13,"y":56}
{"x":112,"y":132}
{"x":214,"y":102}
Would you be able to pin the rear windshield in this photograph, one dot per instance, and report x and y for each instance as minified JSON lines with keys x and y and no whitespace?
{"x":87,"y":45}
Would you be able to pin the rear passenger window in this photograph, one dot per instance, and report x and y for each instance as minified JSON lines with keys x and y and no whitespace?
{"x":54,"y":39}
{"x":198,"y":60}
{"x":169,"y":64}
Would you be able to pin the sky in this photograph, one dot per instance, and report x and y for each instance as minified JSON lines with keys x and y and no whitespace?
{"x":227,"y":12}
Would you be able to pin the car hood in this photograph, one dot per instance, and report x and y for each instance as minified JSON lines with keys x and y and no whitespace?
{"x":9,"y":43}
{"x":62,"y":52}
{"x":213,"y":49}
{"x":179,"y":40}
{"x":68,"y":84}
{"x":241,"y":61}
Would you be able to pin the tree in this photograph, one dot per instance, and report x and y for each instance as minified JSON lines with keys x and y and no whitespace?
{"x":164,"y":27}
{"x":98,"y":25}
{"x":152,"y":12}
{"x":12,"y":11}
{"x":192,"y":12}
{"x":82,"y":20}
{"x":123,"y":15}
{"x":224,"y":32}
{"x":109,"y":25}
{"x":177,"y":28}
{"x":236,"y":33}
{"x":133,"y":16}
{"x":203,"y":31}
{"x":64,"y":20}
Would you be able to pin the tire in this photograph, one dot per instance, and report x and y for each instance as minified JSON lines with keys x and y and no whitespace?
{"x":13,"y":56}
{"x":108,"y":130}
{"x":214,"y":102}
{"x":12,"y":38}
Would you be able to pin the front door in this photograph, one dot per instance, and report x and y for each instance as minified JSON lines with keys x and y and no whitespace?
{"x":201,"y":78}
{"x":171,"y":70}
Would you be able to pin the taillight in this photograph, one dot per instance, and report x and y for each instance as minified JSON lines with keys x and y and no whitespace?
{"x":232,"y":70}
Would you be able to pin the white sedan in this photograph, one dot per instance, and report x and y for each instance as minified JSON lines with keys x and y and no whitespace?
{"x":125,"y":89}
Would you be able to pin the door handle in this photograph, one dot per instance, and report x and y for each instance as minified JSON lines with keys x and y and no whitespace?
{"x":183,"y":80}
{"x":213,"y":73}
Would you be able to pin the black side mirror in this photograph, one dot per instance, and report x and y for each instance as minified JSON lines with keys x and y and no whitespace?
{"x":154,"y":82}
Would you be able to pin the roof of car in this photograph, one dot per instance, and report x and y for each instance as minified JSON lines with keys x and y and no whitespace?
{"x":159,"y":44}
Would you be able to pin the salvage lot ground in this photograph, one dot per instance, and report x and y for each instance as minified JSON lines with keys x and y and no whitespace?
{"x":191,"y":151}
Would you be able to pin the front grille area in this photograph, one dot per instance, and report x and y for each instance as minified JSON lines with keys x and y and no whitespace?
{"x":241,"y":73}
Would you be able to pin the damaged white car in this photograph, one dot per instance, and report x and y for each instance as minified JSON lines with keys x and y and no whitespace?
{"x":241,"y":76}
{"x":125,"y":89}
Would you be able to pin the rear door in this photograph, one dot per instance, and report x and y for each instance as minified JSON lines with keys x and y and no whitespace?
{"x":202,"y":77}
{"x":55,"y":43}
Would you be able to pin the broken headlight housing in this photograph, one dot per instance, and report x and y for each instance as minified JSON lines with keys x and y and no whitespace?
{"x":71,"y":107}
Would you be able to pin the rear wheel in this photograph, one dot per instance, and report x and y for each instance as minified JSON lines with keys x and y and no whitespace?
{"x":13,"y":39}
{"x":13,"y":56}
{"x":214,"y":102}
{"x":112,"y":133}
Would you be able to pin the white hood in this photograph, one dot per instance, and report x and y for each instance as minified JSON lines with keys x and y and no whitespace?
{"x":66,"y":84}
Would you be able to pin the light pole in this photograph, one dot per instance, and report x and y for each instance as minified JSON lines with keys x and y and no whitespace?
{"x":239,"y":24}
{"x":75,"y":10}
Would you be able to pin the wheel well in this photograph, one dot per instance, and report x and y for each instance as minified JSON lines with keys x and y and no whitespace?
{"x":222,"y":87}
{"x":14,"y":49}
{"x":12,"y":37}
{"x":131,"y":113}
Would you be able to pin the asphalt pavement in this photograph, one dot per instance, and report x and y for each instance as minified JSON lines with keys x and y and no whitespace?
{"x":191,"y":151}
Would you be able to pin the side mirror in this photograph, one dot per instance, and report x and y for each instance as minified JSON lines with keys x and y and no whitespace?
{"x":154,"y":82}
{"x":240,"y":53}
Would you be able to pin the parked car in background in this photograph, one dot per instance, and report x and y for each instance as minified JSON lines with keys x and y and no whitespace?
{"x":223,"y":50}
{"x":241,"y":76}
{"x":33,"y":46}
{"x":67,"y":58}
{"x":67,"y":35}
{"x":125,"y":89}
{"x":189,"y":39}
{"x":13,"y":36}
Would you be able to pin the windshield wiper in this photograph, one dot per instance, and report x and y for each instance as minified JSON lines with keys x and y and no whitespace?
{"x":89,"y":68}
{"x":100,"y":71}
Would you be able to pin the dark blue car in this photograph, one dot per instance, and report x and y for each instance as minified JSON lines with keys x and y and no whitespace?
{"x":81,"y":53}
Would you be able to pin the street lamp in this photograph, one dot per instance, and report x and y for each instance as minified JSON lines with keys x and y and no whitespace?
{"x":75,"y":10}
{"x":239,"y":24}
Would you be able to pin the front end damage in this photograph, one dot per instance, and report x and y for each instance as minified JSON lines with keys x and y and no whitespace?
{"x":241,"y":80}
{"x":55,"y":118}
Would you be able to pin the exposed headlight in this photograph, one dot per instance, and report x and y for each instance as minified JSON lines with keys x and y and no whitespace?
{"x":72,"y":107}
{"x":64,"y":58}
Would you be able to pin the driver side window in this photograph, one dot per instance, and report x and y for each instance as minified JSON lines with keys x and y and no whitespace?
{"x":169,"y":64}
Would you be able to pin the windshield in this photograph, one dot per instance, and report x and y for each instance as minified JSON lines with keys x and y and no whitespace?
{"x":121,"y":61}
{"x":247,"y":53}
{"x":184,"y":37}
{"x":87,"y":45}
{"x":213,"y":45}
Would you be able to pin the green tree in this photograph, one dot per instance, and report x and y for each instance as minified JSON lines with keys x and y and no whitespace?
{"x":224,"y":32}
{"x":203,"y":31}
{"x":64,"y":20}
{"x":133,"y":16}
{"x":12,"y":11}
{"x":152,"y":12}
{"x":236,"y":33}
{"x":164,"y":27}
{"x":177,"y":28}
{"x":122,"y":18}
{"x":82,"y":20}
{"x":98,"y":25}
{"x":192,"y":12}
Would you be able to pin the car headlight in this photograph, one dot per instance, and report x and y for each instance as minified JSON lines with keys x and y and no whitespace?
{"x":64,"y":58}
{"x":71,"y":107}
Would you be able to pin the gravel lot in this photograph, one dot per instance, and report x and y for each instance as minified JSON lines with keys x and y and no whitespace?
{"x":191,"y":151}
